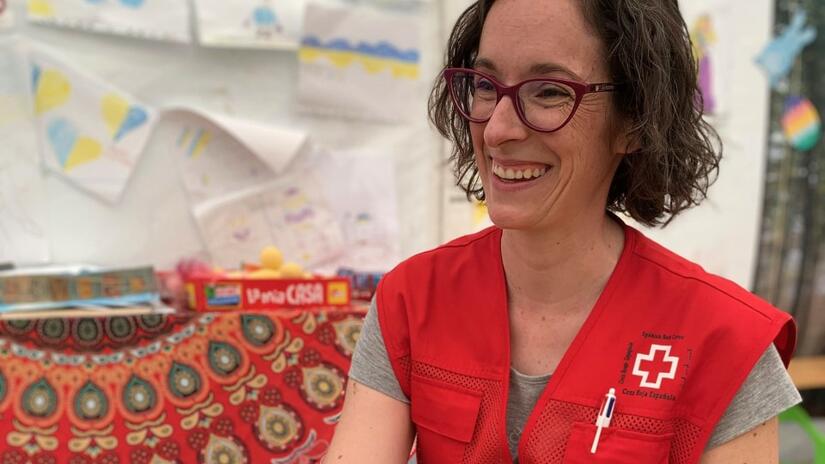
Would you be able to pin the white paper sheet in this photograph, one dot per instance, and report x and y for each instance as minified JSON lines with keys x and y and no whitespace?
{"x":148,"y":19}
{"x":290,"y":213}
{"x":361,"y":189}
{"x":218,"y":154}
{"x":23,"y":238}
{"x":89,"y":132}
{"x":358,"y":62}
{"x":250,"y":23}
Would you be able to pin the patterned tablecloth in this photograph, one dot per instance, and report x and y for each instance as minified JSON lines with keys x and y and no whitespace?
{"x":215,"y":388}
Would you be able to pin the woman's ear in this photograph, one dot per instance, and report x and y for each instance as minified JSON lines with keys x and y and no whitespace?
{"x":626,"y":140}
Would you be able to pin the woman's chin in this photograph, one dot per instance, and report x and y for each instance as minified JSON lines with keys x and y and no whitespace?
{"x":511,"y":217}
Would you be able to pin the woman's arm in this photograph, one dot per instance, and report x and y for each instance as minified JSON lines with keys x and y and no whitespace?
{"x":757,"y":446}
{"x":374,"y":428}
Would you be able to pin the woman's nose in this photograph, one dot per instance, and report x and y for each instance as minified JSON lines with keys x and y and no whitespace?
{"x":504,"y":125}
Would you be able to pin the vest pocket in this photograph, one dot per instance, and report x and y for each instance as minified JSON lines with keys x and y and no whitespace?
{"x":445,"y":417}
{"x":616,"y":446}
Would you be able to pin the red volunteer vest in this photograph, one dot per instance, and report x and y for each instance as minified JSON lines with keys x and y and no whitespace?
{"x":675,"y":342}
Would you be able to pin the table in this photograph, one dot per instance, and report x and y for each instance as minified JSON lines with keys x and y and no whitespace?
{"x":808,"y":372}
{"x":225,"y":388}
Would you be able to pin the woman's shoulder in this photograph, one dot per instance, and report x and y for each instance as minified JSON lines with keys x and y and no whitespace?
{"x":676,"y":273}
{"x":718,"y":304}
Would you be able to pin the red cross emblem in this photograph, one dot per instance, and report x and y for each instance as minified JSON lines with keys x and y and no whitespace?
{"x":656,"y":368}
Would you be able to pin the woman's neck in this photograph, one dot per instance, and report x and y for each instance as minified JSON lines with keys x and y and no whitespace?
{"x":559,"y":267}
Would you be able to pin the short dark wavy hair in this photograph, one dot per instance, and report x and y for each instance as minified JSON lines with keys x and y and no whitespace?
{"x":649,"y":51}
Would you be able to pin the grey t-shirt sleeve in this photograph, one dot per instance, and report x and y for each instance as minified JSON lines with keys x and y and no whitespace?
{"x":370,"y":361}
{"x":766,"y":392}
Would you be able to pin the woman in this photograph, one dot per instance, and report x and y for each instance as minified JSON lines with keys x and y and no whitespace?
{"x":505,"y":345}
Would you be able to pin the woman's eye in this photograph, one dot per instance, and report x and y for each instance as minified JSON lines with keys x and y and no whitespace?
{"x":484,"y":85}
{"x":551,"y":92}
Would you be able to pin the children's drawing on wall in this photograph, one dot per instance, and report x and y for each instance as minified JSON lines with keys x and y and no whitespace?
{"x":213,"y":163}
{"x":90,"y":132}
{"x":290,"y":213}
{"x":801,"y":123}
{"x":358,"y":62}
{"x":360,"y":188}
{"x":263,"y":21}
{"x":218,"y":155}
{"x":704,"y":38}
{"x":148,"y":19}
{"x":779,"y":55}
{"x":250,"y":23}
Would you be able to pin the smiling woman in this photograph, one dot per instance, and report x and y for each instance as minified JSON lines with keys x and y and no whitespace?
{"x":562,"y":335}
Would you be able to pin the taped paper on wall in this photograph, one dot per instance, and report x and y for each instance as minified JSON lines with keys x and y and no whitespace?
{"x":89,"y":131}
{"x":361,"y":189}
{"x":218,"y":154}
{"x":147,"y":19}
{"x":250,"y":23}
{"x":357,"y":62}
{"x":290,"y":213}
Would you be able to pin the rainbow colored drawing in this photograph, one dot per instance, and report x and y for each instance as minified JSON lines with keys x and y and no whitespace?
{"x":374,"y":58}
{"x":801,"y":123}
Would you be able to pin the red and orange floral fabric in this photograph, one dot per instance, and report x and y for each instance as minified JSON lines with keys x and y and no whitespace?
{"x":226,"y":388}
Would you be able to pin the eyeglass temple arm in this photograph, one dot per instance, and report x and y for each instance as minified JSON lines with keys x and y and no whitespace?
{"x":605,"y":87}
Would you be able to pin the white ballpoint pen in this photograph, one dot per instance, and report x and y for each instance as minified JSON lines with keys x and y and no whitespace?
{"x":605,"y":414}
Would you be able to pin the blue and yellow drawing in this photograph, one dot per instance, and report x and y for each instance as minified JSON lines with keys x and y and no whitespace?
{"x":197,"y":141}
{"x":70,"y":147}
{"x":51,"y":89}
{"x":45,"y":9}
{"x":40,"y":8}
{"x":120,"y":116}
{"x":380,"y":57}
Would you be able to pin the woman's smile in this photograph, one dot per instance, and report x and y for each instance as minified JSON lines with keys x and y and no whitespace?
{"x":509,"y":175}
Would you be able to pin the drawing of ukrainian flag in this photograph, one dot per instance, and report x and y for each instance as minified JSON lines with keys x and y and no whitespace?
{"x":374,"y":58}
{"x":195,"y":141}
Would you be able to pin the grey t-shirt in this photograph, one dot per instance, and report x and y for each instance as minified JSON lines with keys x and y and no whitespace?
{"x":766,"y":392}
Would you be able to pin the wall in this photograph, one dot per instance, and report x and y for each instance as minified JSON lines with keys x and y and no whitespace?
{"x":152,"y":223}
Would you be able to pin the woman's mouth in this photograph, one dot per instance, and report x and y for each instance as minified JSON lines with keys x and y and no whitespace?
{"x":516,"y":174}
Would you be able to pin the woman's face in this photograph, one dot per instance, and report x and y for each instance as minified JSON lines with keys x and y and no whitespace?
{"x":524,"y":39}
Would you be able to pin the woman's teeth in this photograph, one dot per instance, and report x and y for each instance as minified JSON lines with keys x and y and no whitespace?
{"x":518,"y":174}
